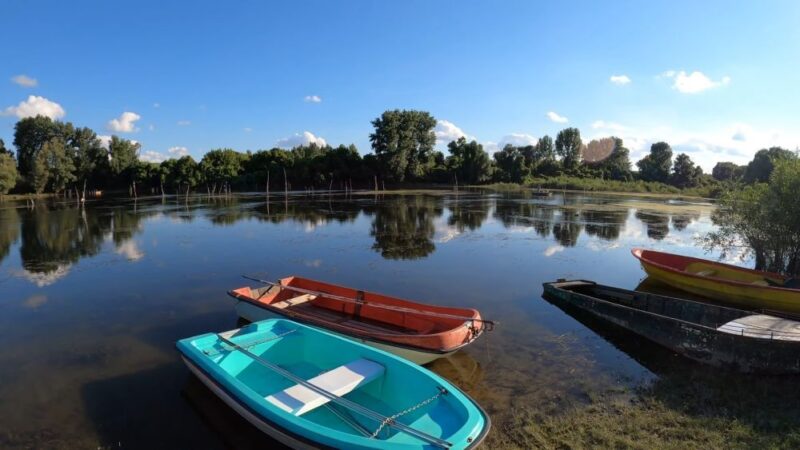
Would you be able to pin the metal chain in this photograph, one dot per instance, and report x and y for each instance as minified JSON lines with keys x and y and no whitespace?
{"x":391,"y":419}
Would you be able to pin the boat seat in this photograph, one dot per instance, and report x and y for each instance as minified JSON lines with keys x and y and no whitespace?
{"x":298,"y":399}
{"x":293,"y":301}
{"x":763,"y":326}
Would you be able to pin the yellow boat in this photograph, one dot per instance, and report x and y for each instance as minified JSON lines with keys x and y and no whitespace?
{"x":722,"y":282}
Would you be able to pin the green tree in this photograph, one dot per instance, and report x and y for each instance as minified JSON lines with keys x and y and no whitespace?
{"x":53,"y":168}
{"x":122,"y":154}
{"x":545,"y":157}
{"x":760,"y":168}
{"x":569,"y":147}
{"x":610,"y":158}
{"x":220,"y":167}
{"x":403,"y":142}
{"x":684,"y":173}
{"x":185,"y":173}
{"x":468,"y":161}
{"x":727,"y":171}
{"x":8,"y":173}
{"x":511,"y":165}
{"x":656,"y":166}
{"x":765,"y":216}
{"x":89,"y":156}
{"x":30,"y":134}
{"x":4,"y":150}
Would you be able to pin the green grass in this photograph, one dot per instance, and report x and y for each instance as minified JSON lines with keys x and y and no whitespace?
{"x":597,"y":185}
{"x":715,"y":410}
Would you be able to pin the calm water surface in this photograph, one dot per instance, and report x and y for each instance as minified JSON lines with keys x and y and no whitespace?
{"x":92,"y":299}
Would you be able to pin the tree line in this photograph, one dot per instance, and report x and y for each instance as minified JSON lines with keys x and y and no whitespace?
{"x":57,"y":157}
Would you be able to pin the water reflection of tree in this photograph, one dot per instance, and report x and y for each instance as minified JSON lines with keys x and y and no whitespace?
{"x":525,"y":214}
{"x":9,"y":230}
{"x":657,"y":224}
{"x":468,"y":215}
{"x":568,"y":228}
{"x":681,"y":221}
{"x":57,"y":236}
{"x":604,"y":224}
{"x":403,"y":226}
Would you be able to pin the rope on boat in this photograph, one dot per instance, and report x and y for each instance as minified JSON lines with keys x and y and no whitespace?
{"x":390,"y":420}
{"x":489,"y":323}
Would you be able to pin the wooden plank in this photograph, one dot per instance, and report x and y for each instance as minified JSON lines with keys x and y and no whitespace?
{"x":294,"y":301}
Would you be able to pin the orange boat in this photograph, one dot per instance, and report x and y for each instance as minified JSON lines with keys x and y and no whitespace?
{"x":723,"y":282}
{"x":415,"y":331}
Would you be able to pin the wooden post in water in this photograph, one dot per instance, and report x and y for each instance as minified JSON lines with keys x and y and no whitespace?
{"x":285,"y":183}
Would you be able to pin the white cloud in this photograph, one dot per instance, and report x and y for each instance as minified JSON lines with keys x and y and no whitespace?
{"x":556,"y":118}
{"x":178,"y":151}
{"x":156,"y":105}
{"x":447,"y":131}
{"x":184,"y":123}
{"x":735,"y":142}
{"x":25,"y":81}
{"x":35,"y":106}
{"x":695,"y":82}
{"x":620,"y":80}
{"x":130,"y":251}
{"x":247,"y":129}
{"x":151,"y":127}
{"x":42,"y":279}
{"x":157,"y":157}
{"x":105,"y":140}
{"x":610,"y":126}
{"x":518,"y":140}
{"x":152,"y":156}
{"x":552,"y":250}
{"x":298,"y":139}
{"x":126,"y":123}
{"x":312,"y":99}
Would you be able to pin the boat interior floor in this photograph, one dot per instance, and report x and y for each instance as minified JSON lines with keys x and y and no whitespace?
{"x":317,"y":313}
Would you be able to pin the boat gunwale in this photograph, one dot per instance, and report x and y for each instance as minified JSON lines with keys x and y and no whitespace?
{"x":553,"y":285}
{"x":637,"y":253}
{"x":376,"y":337}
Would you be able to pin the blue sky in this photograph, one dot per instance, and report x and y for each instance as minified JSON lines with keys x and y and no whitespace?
{"x":718,"y":80}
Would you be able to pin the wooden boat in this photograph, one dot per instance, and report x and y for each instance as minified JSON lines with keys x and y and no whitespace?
{"x":309,"y":388}
{"x":541,"y":193}
{"x":722,"y":282}
{"x":717,"y":335}
{"x":415,"y":331}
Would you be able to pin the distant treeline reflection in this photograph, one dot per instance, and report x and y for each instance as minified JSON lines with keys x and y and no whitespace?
{"x":403,"y":227}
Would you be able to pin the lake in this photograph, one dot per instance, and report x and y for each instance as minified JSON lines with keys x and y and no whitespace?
{"x":93,"y":298}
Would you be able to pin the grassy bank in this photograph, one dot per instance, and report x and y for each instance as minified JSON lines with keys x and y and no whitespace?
{"x":598,"y":185}
{"x":23,"y":197}
{"x":714,"y":410}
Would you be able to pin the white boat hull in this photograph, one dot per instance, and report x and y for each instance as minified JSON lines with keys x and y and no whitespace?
{"x":253,"y":313}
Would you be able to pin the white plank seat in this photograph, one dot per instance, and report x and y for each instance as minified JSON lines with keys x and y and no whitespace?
{"x":764,"y":327}
{"x":298,"y":399}
{"x":294,"y":301}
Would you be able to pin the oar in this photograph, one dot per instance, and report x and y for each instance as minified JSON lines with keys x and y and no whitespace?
{"x":490,"y":323}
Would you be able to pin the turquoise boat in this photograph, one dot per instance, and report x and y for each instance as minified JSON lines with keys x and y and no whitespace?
{"x":308,"y":388}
